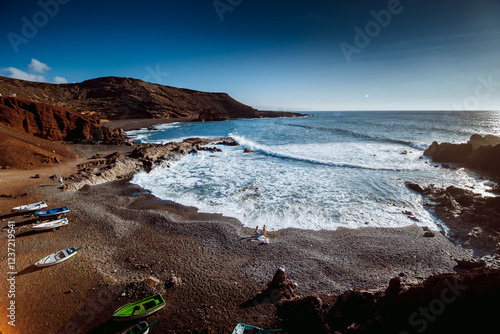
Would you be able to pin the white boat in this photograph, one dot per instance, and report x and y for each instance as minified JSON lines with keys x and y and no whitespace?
{"x":51,"y":225}
{"x":57,"y":257}
{"x":30,"y":207}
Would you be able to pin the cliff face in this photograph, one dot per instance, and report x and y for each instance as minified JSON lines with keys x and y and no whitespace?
{"x":125,"y":98}
{"x":51,"y":122}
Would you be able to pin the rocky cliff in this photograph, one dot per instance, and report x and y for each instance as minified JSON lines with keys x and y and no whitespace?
{"x":52,"y":122}
{"x":126,"y":98}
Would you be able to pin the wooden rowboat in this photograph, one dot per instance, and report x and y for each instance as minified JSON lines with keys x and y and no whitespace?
{"x":139,"y":309}
{"x":57,"y":257}
{"x":30,"y":207}
{"x":248,"y":329}
{"x":140,"y":328}
{"x":52,"y":212}
{"x":50,"y":225}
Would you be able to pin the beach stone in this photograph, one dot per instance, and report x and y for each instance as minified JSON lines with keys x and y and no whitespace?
{"x":429,"y":234}
{"x":37,"y":176}
{"x":152,"y":281}
{"x":174,"y":281}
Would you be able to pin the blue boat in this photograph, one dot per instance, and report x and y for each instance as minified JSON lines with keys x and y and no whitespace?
{"x":52,"y":212}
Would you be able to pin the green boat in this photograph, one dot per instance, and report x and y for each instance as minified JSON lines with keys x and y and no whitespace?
{"x":248,"y":329}
{"x":139,"y":309}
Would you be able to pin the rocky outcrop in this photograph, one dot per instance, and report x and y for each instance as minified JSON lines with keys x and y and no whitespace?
{"x":53,"y":123}
{"x":446,"y":303}
{"x":480,"y":153}
{"x":126,"y":98}
{"x":473,"y":220}
{"x":143,"y":157}
{"x":280,"y":287}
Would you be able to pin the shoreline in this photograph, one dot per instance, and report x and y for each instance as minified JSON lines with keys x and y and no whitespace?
{"x":127,"y":235}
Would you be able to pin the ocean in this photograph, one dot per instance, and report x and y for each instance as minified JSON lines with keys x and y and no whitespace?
{"x":330,"y":170}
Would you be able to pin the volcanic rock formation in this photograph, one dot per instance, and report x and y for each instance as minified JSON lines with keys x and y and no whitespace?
{"x":126,"y":98}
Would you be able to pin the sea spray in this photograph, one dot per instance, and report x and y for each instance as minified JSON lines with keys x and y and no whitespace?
{"x":314,"y":173}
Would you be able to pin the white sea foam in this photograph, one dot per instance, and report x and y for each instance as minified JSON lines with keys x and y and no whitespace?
{"x":318,"y":173}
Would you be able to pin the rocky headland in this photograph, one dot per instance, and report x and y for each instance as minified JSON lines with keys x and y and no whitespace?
{"x":101,"y":169}
{"x":473,"y":220}
{"x":116,"y":98}
{"x":479,"y":153}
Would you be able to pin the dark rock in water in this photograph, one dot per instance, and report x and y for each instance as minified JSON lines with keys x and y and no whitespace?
{"x":472,"y":219}
{"x":415,"y":187}
{"x":480,"y":153}
{"x":247,"y":150}
{"x":446,"y":152}
{"x":429,"y":234}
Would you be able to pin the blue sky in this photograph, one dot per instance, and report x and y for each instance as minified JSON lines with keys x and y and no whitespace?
{"x":278,"y":55}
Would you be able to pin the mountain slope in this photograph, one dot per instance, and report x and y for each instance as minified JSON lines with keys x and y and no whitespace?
{"x":126,"y":98}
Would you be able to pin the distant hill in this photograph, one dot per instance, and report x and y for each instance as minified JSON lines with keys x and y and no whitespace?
{"x":115,"y":98}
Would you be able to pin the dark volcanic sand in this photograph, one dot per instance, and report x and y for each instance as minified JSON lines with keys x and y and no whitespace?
{"x":127,"y":234}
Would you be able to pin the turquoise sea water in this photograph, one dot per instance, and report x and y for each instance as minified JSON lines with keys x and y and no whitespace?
{"x":334,"y":169}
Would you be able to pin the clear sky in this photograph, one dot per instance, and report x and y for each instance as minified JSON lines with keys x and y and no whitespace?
{"x":273,"y":54}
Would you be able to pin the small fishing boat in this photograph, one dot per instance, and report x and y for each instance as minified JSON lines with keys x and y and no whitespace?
{"x":51,"y":225}
{"x":248,"y":329}
{"x":139,"y":309}
{"x":140,"y":328}
{"x":30,"y":207}
{"x":57,"y":257}
{"x":52,"y":212}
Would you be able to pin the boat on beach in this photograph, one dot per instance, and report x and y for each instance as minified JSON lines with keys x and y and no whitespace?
{"x":30,"y":207}
{"x":52,"y":212}
{"x":50,"y":225}
{"x":140,"y":328}
{"x":248,"y":329}
{"x":57,"y":257}
{"x":139,"y":309}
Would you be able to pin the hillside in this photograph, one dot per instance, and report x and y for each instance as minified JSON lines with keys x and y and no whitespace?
{"x":23,"y":151}
{"x":115,"y":98}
